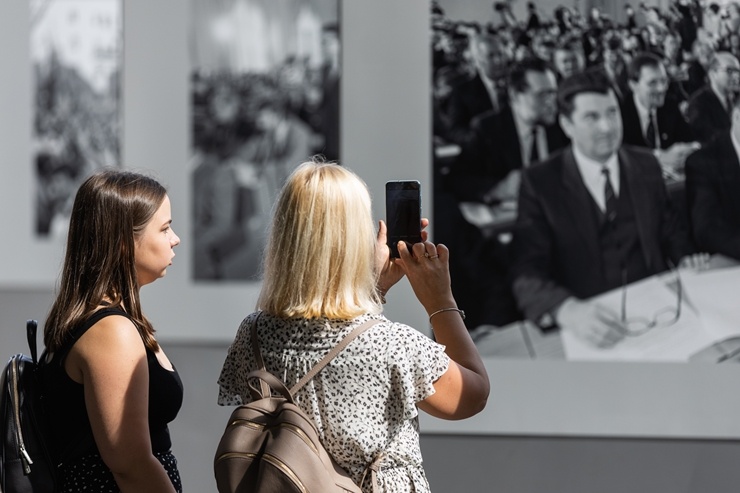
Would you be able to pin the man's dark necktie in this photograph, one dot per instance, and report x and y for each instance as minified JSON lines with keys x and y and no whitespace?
{"x":610,"y":199}
{"x":729,"y":103}
{"x":650,"y":132}
{"x":534,"y":153}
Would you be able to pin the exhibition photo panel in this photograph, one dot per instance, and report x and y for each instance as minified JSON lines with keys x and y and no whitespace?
{"x":77,"y":57}
{"x":265,"y":98}
{"x":556,"y":263}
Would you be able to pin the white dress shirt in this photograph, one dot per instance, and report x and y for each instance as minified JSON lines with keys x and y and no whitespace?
{"x":645,"y":115}
{"x":594,"y":179}
{"x":735,"y":144}
{"x":490,"y":86}
{"x":524,"y":131}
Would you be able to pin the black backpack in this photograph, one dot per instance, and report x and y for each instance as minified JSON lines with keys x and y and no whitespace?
{"x":26,"y":464}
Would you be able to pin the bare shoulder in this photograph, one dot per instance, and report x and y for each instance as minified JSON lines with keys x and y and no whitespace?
{"x":112,"y":337}
{"x":112,"y":331}
{"x":112,"y":341}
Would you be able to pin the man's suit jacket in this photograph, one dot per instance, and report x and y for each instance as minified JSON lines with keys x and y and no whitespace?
{"x":707,"y":117}
{"x":713,"y":195}
{"x":493,"y":151}
{"x":671,"y":124}
{"x":697,"y":78}
{"x":556,"y":241}
{"x":620,"y":83}
{"x":467,"y":100}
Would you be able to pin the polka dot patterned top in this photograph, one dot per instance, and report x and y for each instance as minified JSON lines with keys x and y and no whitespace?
{"x":363,"y":402}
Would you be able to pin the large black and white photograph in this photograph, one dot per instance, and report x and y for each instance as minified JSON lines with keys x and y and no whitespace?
{"x":586,"y":167}
{"x":265,"y":98}
{"x":76,"y":53}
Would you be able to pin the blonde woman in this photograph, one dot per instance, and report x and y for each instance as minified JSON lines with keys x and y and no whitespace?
{"x":326,"y":272}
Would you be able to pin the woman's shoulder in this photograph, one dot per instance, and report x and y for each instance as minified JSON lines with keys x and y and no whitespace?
{"x":112,"y":327}
{"x":382,"y":326}
{"x":107,"y":318}
{"x":110,"y":341}
{"x":393,"y":333}
{"x":249,"y":319}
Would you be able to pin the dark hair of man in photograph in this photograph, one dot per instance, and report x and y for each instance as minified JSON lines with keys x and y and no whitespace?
{"x":612,"y":42}
{"x":517,"y":79}
{"x":331,"y":27}
{"x":587,"y":81}
{"x":644,"y":59}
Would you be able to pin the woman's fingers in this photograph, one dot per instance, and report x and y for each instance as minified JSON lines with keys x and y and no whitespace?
{"x":443,"y":252}
{"x":382,"y":232}
{"x":424,"y":233}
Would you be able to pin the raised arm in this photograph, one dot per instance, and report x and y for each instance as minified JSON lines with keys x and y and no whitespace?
{"x":462,"y":391}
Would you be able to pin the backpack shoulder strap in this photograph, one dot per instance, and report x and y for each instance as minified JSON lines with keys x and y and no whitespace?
{"x":264,"y":389}
{"x":330,"y":356}
{"x":31,"y":327}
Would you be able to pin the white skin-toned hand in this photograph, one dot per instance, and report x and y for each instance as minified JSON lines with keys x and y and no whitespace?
{"x":591,"y":322}
{"x":675,"y":156}
{"x":429,"y":277}
{"x":697,"y":261}
{"x":506,"y":189}
{"x":388,"y":272}
{"x":109,"y":360}
{"x":462,"y":391}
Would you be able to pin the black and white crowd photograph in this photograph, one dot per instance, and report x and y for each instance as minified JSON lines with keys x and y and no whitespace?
{"x":585,"y":164}
{"x":77,"y":56}
{"x":265,"y":96}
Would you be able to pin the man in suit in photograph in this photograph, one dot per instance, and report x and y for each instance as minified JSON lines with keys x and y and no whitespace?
{"x":653,"y":120}
{"x":712,"y":185}
{"x":568,"y":57}
{"x":488,"y":174}
{"x":591,"y":218}
{"x":504,"y":142}
{"x":613,"y":65}
{"x":483,"y":92}
{"x":710,"y":107}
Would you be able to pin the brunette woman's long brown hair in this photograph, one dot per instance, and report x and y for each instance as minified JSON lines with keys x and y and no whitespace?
{"x":110,"y":211}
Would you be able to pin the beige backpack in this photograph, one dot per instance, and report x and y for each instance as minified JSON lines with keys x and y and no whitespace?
{"x":271,"y":446}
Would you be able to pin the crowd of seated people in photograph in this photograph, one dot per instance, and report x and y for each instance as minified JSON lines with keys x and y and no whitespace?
{"x":520,"y":106}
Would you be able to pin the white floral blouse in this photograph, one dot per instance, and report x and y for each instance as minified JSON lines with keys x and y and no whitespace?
{"x":363,"y":402}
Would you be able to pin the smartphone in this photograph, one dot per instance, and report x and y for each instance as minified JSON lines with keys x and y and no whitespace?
{"x":403,"y":213}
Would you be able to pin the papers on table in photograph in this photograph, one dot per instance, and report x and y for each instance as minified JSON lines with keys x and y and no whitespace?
{"x":708,"y":316}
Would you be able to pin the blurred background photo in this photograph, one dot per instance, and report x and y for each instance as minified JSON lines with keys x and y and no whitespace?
{"x":76,"y":52}
{"x":265,"y":97}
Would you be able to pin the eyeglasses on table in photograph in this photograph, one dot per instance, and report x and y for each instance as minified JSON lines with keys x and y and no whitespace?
{"x":663,"y":317}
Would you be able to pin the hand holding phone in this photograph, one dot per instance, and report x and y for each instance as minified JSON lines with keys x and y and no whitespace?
{"x":403,"y":213}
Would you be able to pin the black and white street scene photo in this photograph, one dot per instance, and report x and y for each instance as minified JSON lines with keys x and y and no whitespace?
{"x":265,"y":98}
{"x":77,"y":53}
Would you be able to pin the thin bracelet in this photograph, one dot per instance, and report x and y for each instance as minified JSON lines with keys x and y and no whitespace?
{"x":462,"y":313}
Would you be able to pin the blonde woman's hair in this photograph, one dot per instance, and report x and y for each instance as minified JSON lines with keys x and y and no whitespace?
{"x":320,"y":255}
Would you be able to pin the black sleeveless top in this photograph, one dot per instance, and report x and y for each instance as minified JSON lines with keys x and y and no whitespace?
{"x":65,"y":400}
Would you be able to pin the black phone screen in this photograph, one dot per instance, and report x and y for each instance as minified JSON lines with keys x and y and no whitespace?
{"x":403,"y":213}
